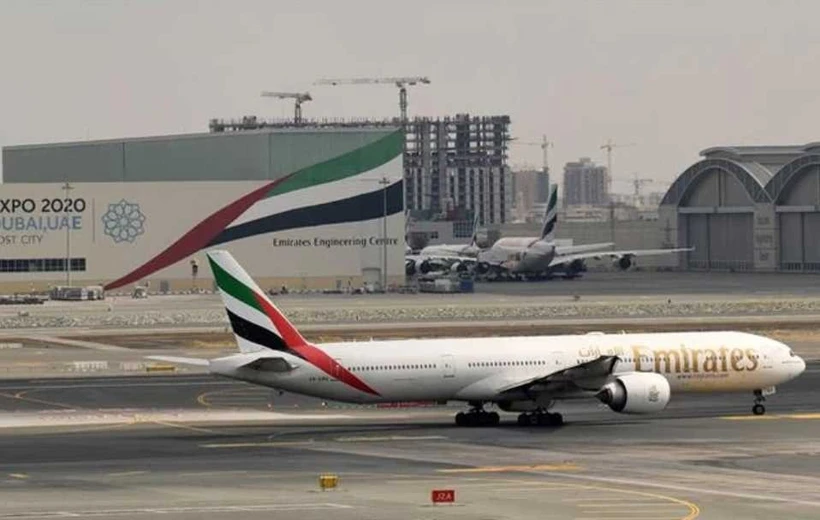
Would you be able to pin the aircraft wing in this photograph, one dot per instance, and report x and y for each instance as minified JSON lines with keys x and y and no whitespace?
{"x":253,"y":361}
{"x":441,"y":258}
{"x":585,"y":376}
{"x":583,"y":248}
{"x":597,"y":255}
{"x":177,"y":360}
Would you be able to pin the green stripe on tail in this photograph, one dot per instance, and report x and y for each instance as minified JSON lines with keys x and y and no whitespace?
{"x":234,"y":287}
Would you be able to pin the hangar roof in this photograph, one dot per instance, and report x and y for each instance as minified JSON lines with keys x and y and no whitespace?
{"x":251,"y":155}
{"x":763,"y":170}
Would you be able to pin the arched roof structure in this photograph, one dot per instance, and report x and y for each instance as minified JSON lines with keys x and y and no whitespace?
{"x":752,"y":178}
{"x":791,"y":171}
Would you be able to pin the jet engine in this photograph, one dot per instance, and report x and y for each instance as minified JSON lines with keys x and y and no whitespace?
{"x":636,"y":393}
{"x":623,"y":263}
{"x":575,"y":267}
{"x":412,"y":267}
{"x":458,"y":267}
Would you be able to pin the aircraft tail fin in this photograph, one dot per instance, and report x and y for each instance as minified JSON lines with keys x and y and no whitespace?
{"x":551,"y":215}
{"x":256,"y":322}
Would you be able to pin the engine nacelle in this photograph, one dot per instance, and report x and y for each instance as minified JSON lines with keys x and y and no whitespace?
{"x":623,"y":263}
{"x":575,"y":267}
{"x":636,"y":393}
{"x":425,"y":266}
{"x":410,"y":267}
{"x":458,"y":267}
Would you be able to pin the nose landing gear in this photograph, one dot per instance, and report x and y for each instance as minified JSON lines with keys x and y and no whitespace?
{"x":760,"y":398}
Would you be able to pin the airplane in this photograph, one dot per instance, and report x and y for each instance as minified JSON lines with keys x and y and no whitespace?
{"x":630,"y":373}
{"x":541,"y":256}
{"x":444,"y":257}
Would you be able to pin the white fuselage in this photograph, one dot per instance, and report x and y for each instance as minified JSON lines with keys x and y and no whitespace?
{"x":467,"y":250}
{"x":520,"y":254}
{"x":473,"y":369}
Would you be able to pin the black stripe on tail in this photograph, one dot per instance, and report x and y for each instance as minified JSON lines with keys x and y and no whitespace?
{"x":252,"y":332}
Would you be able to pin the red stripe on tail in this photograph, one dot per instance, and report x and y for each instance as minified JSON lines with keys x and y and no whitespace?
{"x":315,"y":356}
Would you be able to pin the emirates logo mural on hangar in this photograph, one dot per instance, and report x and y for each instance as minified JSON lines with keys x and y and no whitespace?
{"x":123,"y":221}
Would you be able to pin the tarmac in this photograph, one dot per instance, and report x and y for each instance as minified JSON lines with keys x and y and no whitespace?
{"x":193,"y":447}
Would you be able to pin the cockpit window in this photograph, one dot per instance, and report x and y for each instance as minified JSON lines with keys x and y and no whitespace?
{"x":791,"y":353}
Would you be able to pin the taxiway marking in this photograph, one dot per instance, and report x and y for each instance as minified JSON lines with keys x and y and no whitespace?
{"x":792,"y":416}
{"x":270,"y":444}
{"x":391,"y":438}
{"x":126,"y":473}
{"x":35,"y":515}
{"x":504,"y":469}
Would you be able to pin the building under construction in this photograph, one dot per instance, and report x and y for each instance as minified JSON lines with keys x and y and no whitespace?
{"x":456,"y":166}
{"x":453,"y":166}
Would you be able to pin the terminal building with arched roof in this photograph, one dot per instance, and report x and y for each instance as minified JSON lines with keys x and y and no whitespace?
{"x":748,"y":208}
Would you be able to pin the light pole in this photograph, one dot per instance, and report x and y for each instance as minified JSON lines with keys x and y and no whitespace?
{"x":384,"y":181}
{"x":67,"y":188}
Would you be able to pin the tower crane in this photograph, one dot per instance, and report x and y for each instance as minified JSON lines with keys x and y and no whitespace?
{"x":609,"y":146}
{"x":401,"y":82}
{"x":298,"y":97}
{"x":638,"y":182}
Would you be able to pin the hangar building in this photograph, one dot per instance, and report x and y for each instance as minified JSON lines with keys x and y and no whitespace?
{"x":305,"y":208}
{"x":748,"y":208}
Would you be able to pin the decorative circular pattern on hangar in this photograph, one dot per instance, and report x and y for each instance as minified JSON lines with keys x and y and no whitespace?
{"x":123,"y":221}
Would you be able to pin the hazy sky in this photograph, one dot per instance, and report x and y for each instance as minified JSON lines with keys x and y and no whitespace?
{"x":673,"y":77}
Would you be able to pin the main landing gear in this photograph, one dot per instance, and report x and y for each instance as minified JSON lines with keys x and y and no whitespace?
{"x":477,"y":417}
{"x":540,"y":418}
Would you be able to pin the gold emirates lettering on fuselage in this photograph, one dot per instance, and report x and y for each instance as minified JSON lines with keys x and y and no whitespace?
{"x":684,"y":360}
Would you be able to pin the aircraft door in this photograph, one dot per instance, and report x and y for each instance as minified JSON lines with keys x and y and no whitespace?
{"x":448,"y":366}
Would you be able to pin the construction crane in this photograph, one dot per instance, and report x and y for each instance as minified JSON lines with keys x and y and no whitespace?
{"x":402,"y":83}
{"x":298,"y":97}
{"x":637,"y":184}
{"x":545,"y":146}
{"x":609,"y":146}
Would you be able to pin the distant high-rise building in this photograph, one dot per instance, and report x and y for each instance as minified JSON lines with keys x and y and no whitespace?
{"x":542,"y":186}
{"x":526,"y":189}
{"x":585,"y":183}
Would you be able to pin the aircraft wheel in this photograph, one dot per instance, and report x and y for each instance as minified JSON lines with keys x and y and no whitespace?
{"x":523,"y":420}
{"x":758,"y":409}
{"x":493,"y":419}
{"x":461,"y":419}
{"x":557,"y":419}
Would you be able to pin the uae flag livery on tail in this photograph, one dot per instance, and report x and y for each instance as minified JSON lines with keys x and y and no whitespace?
{"x":258,"y":324}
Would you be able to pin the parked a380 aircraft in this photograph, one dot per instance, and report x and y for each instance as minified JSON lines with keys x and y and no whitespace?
{"x":531,"y":257}
{"x":631,"y":373}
